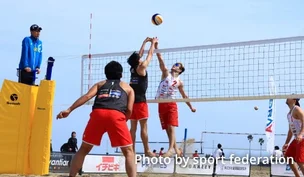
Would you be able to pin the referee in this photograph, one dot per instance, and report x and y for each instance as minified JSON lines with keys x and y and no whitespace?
{"x":31,"y":57}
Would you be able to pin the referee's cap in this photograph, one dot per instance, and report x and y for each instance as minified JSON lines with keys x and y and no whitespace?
{"x":35,"y":27}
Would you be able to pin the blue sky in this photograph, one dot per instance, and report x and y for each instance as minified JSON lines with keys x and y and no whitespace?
{"x":122,"y":26}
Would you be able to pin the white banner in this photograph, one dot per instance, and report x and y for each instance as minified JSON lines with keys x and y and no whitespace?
{"x":232,"y":168}
{"x":270,"y":125}
{"x":156,"y":165}
{"x":104,"y":164}
{"x":282,"y":170}
{"x":196,"y":166}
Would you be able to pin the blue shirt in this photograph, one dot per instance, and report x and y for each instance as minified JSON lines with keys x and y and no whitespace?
{"x":31,"y":53}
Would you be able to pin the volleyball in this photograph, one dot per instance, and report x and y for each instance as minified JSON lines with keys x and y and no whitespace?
{"x":157,"y":19}
{"x":256,"y":108}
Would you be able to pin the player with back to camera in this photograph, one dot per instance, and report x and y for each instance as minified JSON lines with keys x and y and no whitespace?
{"x":295,"y":149}
{"x":168,"y":112}
{"x":139,"y":83}
{"x":113,"y":104}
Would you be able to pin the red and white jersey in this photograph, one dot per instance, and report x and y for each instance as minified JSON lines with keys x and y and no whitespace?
{"x":294,"y":124}
{"x":168,"y":87}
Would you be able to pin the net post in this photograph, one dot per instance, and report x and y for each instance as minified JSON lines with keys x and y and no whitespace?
{"x":185,"y":142}
{"x":202,"y":134}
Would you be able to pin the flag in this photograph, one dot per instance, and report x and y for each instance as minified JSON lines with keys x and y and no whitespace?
{"x":270,"y":125}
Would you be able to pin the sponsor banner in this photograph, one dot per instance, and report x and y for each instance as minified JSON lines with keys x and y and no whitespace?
{"x":232,"y":168}
{"x":278,"y":169}
{"x":194,"y":166}
{"x":156,"y":165}
{"x":270,"y":127}
{"x":59,"y":162}
{"x":104,"y":164}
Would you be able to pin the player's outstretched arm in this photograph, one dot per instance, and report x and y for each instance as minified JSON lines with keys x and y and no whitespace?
{"x":84,"y":98}
{"x":145,"y":63}
{"x":131,"y":99}
{"x":142,"y":48}
{"x":80,"y":101}
{"x":162,"y":65}
{"x":184,"y":95}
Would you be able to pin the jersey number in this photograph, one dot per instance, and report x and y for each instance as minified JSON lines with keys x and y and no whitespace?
{"x":174,"y":83}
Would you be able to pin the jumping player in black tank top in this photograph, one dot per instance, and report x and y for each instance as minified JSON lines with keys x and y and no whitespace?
{"x":139,"y":83}
{"x":113,"y":105}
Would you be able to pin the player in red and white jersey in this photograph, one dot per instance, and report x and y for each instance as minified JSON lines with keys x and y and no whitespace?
{"x":168,"y":112}
{"x":296,"y":148}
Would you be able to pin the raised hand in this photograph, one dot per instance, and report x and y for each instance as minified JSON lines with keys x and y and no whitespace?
{"x":148,"y":39}
{"x":154,"y":40}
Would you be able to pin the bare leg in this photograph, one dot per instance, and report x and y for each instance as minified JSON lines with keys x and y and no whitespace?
{"x":175,"y":145}
{"x":133,"y":133}
{"x":301,"y":165}
{"x":130,"y":161}
{"x":172,"y":143}
{"x":144,"y":137}
{"x":78,"y":159}
{"x":294,"y":168}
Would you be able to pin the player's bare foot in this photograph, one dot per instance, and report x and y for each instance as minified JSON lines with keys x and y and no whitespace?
{"x":149,"y":154}
{"x":169,"y":153}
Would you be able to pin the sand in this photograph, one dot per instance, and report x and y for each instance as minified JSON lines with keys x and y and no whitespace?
{"x":255,"y":172}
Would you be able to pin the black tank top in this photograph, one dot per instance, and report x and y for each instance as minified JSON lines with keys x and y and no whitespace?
{"x":111,"y":96}
{"x":139,"y":85}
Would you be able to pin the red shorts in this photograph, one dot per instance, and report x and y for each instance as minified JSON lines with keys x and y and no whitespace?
{"x":107,"y":121}
{"x":296,"y":151}
{"x":140,"y":111}
{"x":168,"y":114}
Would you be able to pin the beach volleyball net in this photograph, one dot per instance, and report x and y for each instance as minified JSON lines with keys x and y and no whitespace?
{"x":219,"y":72}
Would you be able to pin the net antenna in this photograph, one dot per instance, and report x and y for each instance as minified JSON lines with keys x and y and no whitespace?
{"x":218,"y":72}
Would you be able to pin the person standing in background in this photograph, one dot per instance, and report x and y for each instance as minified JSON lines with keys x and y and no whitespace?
{"x":51,"y":146}
{"x":218,"y":152}
{"x":72,"y":142}
{"x":73,"y":148}
{"x":31,"y":57}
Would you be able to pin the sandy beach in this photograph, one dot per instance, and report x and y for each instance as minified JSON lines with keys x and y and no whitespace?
{"x":256,"y":171}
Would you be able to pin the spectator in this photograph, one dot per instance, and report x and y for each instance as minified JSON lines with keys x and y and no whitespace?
{"x":51,"y":146}
{"x":31,"y":57}
{"x":154,"y":152}
{"x":277,"y":152}
{"x":73,"y":148}
{"x":161,"y":153}
{"x":73,"y":143}
{"x":64,"y":147}
{"x":195,"y":154}
{"x":218,"y":152}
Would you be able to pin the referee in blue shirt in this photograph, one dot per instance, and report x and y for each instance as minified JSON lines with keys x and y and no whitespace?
{"x":31,"y":56}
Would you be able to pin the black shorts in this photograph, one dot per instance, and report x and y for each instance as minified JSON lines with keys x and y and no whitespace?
{"x":27,"y":77}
